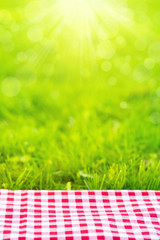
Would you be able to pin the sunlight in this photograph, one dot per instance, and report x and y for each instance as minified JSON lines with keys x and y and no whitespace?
{"x":92,"y":19}
{"x":75,"y":9}
{"x":81,"y":32}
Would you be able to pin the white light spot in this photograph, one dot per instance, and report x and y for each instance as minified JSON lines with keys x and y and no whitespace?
{"x":149,"y":63}
{"x":155,"y":117}
{"x":154,"y":51}
{"x":10,"y":86}
{"x":31,"y":55}
{"x":106,"y":50}
{"x":35,"y":33}
{"x":121,"y":41}
{"x":106,"y":66}
{"x":116,"y":125}
{"x":32,"y":11}
{"x":71,"y":122}
{"x":123,"y":105}
{"x":141,"y":73}
{"x":158,"y":92}
{"x":112,"y":81}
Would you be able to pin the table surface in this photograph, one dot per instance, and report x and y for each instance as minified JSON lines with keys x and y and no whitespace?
{"x":86,"y":215}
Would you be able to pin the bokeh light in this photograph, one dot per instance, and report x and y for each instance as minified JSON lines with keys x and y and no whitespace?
{"x":10,"y":86}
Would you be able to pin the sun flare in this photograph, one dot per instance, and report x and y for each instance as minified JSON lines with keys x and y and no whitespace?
{"x":80,"y":31}
{"x":88,"y":11}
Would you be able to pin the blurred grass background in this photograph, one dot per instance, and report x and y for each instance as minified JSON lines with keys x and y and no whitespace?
{"x":79,"y":94}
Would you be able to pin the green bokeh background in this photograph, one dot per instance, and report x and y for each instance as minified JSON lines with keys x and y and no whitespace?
{"x":79,"y":97}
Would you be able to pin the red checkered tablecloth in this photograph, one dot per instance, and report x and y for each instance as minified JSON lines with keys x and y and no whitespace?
{"x":75,"y":215}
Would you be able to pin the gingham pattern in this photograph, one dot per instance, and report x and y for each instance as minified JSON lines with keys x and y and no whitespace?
{"x":74,"y":215}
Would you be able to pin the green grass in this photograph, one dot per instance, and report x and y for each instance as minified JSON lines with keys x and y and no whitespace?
{"x":71,"y":125}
